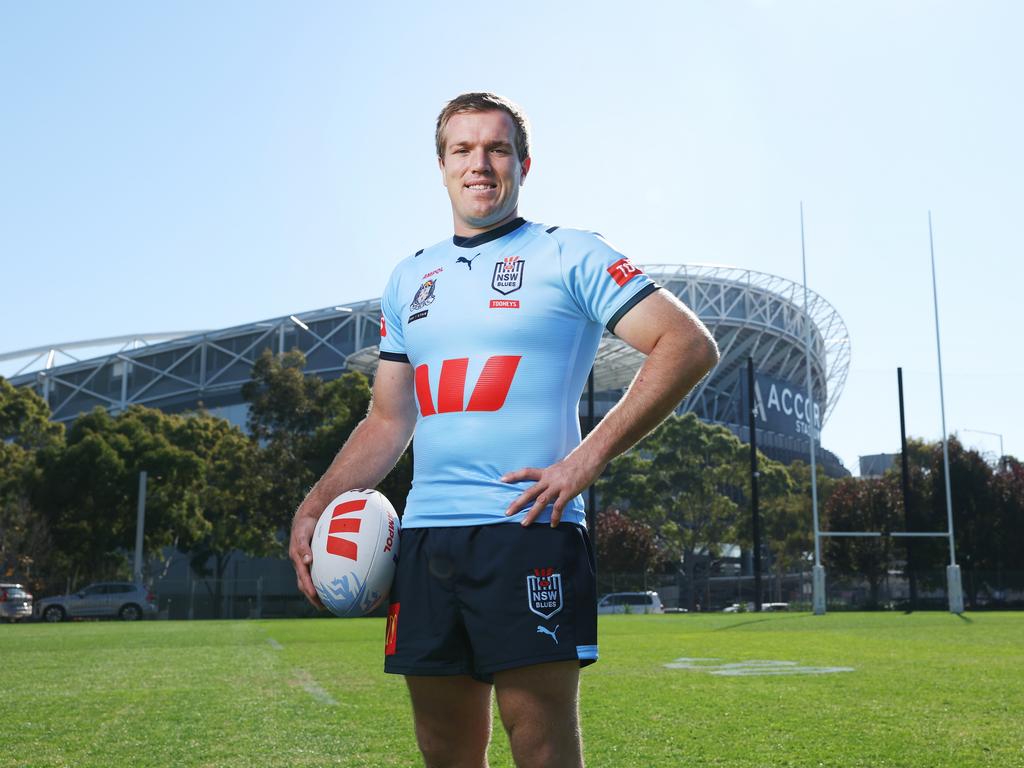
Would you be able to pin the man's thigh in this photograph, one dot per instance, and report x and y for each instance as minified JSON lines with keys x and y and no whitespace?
{"x":539,"y":708}
{"x":453,"y":719}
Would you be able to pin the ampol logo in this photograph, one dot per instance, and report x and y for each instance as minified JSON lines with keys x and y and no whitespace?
{"x":544,"y":592}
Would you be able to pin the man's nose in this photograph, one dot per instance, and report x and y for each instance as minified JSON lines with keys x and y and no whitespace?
{"x":481,"y":160}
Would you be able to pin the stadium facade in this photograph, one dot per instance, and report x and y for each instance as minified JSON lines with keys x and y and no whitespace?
{"x":750,"y":314}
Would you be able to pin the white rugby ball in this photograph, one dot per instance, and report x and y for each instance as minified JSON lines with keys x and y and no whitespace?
{"x":355,"y":550}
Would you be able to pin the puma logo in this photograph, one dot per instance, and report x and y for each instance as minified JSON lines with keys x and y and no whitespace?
{"x":551,"y":632}
{"x":467,"y":262}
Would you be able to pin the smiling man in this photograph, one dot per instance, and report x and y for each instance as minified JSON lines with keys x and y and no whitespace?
{"x":495,"y":588}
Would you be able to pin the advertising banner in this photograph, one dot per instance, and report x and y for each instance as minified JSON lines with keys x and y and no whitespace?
{"x":780,"y":406}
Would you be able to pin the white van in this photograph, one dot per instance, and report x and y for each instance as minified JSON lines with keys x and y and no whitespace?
{"x":630,"y":602}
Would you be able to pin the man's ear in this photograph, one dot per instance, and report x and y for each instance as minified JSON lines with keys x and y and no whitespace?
{"x":526,"y":170}
{"x":440,"y":165}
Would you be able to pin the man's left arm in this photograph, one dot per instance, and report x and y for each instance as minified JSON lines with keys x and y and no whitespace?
{"x":680,"y":351}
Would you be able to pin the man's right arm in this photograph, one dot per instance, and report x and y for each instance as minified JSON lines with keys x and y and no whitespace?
{"x":368,"y":455}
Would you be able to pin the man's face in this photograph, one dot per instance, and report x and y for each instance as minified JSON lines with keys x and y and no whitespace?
{"x":481,"y":170}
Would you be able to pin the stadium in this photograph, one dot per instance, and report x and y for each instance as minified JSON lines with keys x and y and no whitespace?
{"x":751,"y":314}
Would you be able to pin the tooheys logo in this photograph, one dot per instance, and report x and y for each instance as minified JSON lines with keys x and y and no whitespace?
{"x":622,"y":271}
{"x":336,"y":545}
{"x":488,"y":395}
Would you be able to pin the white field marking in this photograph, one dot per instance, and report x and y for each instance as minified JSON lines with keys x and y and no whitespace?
{"x":274,"y":644}
{"x":751,"y":668}
{"x":312,"y":687}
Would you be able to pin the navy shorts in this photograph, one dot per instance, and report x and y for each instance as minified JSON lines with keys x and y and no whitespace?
{"x":475,"y":600}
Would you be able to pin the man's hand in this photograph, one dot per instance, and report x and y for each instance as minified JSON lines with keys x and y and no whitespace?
{"x":301,"y":555}
{"x":558,"y":484}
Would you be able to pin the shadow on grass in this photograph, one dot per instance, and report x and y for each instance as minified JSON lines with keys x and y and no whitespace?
{"x":774,"y":617}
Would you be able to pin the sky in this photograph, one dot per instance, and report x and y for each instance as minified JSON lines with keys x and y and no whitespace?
{"x":191,"y":166}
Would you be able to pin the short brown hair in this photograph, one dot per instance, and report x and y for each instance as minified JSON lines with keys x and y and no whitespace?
{"x":485,"y":102}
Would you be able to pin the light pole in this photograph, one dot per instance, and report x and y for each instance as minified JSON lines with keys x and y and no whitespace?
{"x":994,"y":434}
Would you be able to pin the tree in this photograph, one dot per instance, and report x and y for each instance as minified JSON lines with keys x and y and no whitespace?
{"x":89,"y":490}
{"x":232,"y":487}
{"x":302,"y":422}
{"x":1008,"y":487}
{"x":862,"y":504}
{"x":25,"y":430}
{"x":677,"y":481}
{"x":625,"y":545}
{"x":976,"y":523}
{"x":787,"y":531}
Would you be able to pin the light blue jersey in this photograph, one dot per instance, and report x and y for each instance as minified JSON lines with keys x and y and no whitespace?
{"x":501,"y":330}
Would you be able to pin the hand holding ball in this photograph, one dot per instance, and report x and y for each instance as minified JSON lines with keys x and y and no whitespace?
{"x":355,"y":549}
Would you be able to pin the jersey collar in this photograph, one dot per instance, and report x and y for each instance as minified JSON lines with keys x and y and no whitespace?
{"x":491,"y":234}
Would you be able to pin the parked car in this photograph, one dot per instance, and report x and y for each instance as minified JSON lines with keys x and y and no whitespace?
{"x":15,"y":602}
{"x":749,"y":607}
{"x":122,"y":599}
{"x":630,"y":602}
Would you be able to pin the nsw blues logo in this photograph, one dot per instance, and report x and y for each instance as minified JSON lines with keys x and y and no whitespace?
{"x":508,"y":275}
{"x":544,"y":592}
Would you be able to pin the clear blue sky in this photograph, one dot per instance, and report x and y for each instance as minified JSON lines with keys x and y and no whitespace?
{"x":187,"y":165}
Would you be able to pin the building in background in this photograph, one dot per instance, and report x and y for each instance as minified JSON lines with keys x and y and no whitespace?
{"x":749,"y":313}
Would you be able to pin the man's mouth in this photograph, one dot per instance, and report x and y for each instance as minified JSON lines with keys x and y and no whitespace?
{"x":481,"y":187}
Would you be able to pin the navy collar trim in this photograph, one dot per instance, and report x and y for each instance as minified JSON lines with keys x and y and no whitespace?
{"x":491,"y":234}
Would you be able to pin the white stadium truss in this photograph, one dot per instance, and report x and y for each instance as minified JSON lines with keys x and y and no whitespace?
{"x":749,"y":313}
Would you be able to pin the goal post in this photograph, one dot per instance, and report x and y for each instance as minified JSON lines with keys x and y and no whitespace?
{"x":954,"y":584}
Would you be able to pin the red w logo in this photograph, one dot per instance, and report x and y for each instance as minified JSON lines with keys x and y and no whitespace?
{"x":488,"y":395}
{"x":336,"y":545}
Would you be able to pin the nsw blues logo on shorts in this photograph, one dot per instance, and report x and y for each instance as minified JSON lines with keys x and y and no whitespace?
{"x":544,"y":592}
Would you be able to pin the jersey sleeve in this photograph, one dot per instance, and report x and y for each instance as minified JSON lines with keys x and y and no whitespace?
{"x":603,"y":282}
{"x":392,"y":334}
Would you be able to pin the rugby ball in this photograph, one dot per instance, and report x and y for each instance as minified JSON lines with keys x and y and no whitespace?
{"x":355,"y":550}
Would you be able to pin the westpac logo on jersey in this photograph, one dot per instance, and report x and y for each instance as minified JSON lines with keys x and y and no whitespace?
{"x":544,"y":592}
{"x":488,"y":394}
{"x":508,"y":275}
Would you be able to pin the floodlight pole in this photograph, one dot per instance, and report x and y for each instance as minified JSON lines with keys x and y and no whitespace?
{"x":905,"y":483}
{"x":591,"y":491}
{"x":140,"y":526}
{"x":818,"y":580}
{"x":754,"y":474}
{"x":954,"y":587}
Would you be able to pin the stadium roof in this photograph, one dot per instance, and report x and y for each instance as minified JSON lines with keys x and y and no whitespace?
{"x":749,"y":313}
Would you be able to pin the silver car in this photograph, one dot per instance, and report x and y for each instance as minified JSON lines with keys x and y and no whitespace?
{"x":631,"y":602}
{"x":122,"y":599}
{"x":15,"y":602}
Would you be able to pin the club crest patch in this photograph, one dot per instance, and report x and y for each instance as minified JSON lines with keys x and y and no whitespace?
{"x":508,"y":275}
{"x":544,"y":592}
{"x":424,"y":296}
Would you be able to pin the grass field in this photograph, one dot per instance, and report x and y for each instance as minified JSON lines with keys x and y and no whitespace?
{"x":927,"y":690}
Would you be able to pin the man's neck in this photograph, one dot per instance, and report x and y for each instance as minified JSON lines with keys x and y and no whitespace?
{"x":462,"y":229}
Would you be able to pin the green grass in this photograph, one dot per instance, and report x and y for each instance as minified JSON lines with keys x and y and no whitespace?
{"x":927,"y":690}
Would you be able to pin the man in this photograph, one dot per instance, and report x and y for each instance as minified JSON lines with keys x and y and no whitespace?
{"x":486,"y":343}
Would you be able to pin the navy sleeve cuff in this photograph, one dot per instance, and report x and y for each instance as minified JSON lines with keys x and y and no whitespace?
{"x":394,"y":357}
{"x":639,"y":296}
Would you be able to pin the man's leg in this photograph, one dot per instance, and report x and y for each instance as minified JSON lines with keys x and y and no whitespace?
{"x":453,"y":720}
{"x":539,"y":707}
